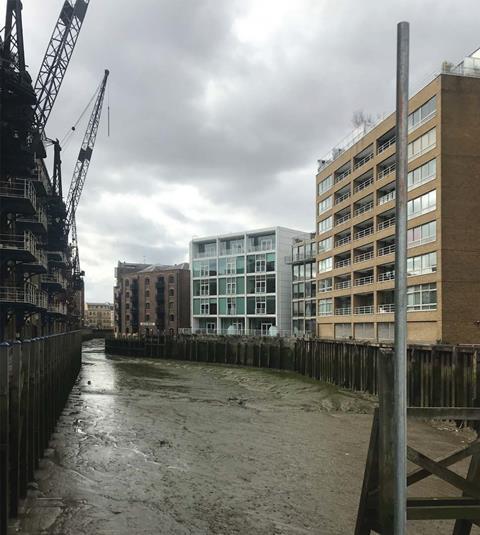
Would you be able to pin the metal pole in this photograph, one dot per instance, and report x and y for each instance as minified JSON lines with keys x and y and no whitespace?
{"x":400,"y":390}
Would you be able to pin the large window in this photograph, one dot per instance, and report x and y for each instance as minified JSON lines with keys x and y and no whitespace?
{"x":325,"y":285}
{"x":203,"y":287}
{"x":325,"y":245}
{"x":325,"y":205}
{"x":325,"y":185}
{"x":422,"y":144}
{"x":422,"y":174}
{"x":423,"y":204}
{"x":298,"y":290}
{"x":422,"y":234}
{"x":422,"y":114}
{"x":325,"y":265}
{"x":325,"y":307}
{"x":325,"y":225}
{"x":422,"y":264}
{"x":422,"y":297}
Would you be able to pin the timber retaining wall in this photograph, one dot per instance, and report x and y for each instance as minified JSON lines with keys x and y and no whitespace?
{"x":36,"y":377}
{"x":438,"y":375}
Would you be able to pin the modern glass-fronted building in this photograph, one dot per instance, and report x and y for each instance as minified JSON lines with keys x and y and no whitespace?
{"x":242,"y":282}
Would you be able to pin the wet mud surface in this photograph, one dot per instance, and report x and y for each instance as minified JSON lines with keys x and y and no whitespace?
{"x":163,"y":447}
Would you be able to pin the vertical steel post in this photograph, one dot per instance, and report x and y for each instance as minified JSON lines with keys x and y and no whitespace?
{"x":400,"y":390}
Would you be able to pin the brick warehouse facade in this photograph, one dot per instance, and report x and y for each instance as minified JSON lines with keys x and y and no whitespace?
{"x":151,"y":299}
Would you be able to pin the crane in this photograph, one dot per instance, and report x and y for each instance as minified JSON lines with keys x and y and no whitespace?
{"x":81,"y":170}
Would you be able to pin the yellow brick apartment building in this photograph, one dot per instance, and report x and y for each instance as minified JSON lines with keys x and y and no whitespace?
{"x":355,"y":207}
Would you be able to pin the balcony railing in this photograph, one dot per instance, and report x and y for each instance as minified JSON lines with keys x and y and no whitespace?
{"x":362,"y":281}
{"x":389,"y":249}
{"x":341,"y":198}
{"x":53,"y":278}
{"x":341,"y":176}
{"x":387,"y":198}
{"x":421,"y":241}
{"x":342,"y":263}
{"x":57,"y":308}
{"x":324,"y":289}
{"x":362,"y":233}
{"x":231,"y":251}
{"x":384,"y":146}
{"x":343,"y":219}
{"x":387,"y":308}
{"x":362,"y":257}
{"x":342,"y":285}
{"x":343,"y":311}
{"x":24,"y":241}
{"x":205,"y":254}
{"x":28,"y":294}
{"x":368,"y":309}
{"x":387,"y":276}
{"x":386,"y":224}
{"x":343,"y":241}
{"x":385,"y":172}
{"x":365,"y":208}
{"x":363,"y":185}
{"x":19,"y":188}
{"x":260,"y":248}
{"x":362,"y":161}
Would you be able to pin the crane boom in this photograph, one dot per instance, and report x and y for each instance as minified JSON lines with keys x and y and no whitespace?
{"x":12,"y":49}
{"x":85,"y":155}
{"x":57,"y":57}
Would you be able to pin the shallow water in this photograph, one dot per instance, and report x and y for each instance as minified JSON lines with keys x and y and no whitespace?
{"x":148,"y":447}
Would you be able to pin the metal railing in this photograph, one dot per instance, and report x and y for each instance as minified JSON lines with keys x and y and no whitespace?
{"x":205,"y":254}
{"x":365,"y":208}
{"x":235,"y":332}
{"x":362,"y":233}
{"x":260,"y":248}
{"x":24,"y":241}
{"x":363,"y":161}
{"x":387,"y":308}
{"x":343,"y":241}
{"x":385,"y":172}
{"x":421,"y":241}
{"x":343,"y":311}
{"x":386,"y":276}
{"x":384,"y":146}
{"x":388,"y":197}
{"x":342,"y":263}
{"x":231,"y":251}
{"x":341,"y":176}
{"x":57,"y":308}
{"x":53,"y":278}
{"x":362,"y":257}
{"x":427,"y":118}
{"x":19,"y":188}
{"x":325,"y":289}
{"x":341,"y":198}
{"x":383,"y":251}
{"x":368,"y":309}
{"x":342,"y":285}
{"x":362,"y":281}
{"x":28,"y":294}
{"x":363,"y":185}
{"x":386,"y":224}
{"x":421,"y":152}
{"x":343,"y":219}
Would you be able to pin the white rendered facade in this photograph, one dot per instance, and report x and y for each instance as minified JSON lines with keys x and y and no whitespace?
{"x":241,"y":282}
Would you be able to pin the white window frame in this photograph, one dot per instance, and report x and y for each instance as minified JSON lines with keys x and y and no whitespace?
{"x":325,"y":185}
{"x":325,"y":225}
{"x":325,"y":205}
{"x":260,"y":260}
{"x":422,"y":264}
{"x":204,"y":307}
{"x":231,"y":266}
{"x":204,"y":287}
{"x":420,"y":116}
{"x":325,"y":265}
{"x":204,"y":269}
{"x":425,"y":174}
{"x":421,"y":290}
{"x":422,"y":144}
{"x":325,"y":245}
{"x":260,"y":305}
{"x":231,"y":286}
{"x":231,"y":305}
{"x":261,"y":284}
{"x":325,"y":307}
{"x":423,"y":239}
{"x":423,"y":201}
{"x":266,"y":244}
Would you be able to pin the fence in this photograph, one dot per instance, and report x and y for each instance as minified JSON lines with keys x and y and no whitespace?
{"x":36,"y":377}
{"x":438,"y":375}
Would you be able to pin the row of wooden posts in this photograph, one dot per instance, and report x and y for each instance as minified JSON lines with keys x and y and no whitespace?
{"x":438,"y":375}
{"x":36,"y":377}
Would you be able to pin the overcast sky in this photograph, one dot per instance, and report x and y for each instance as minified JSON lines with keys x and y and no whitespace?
{"x":221,"y":108}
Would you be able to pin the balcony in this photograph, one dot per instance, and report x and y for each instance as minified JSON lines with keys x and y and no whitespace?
{"x":364,"y":208}
{"x":386,"y":171}
{"x":54,"y":279}
{"x":384,"y":146}
{"x":22,"y":247}
{"x":28,"y":295}
{"x":59,"y":309}
{"x":205,"y":254}
{"x":387,"y":198}
{"x":59,"y":257}
{"x":342,"y":197}
{"x":342,"y":263}
{"x":363,"y":185}
{"x":343,"y":311}
{"x":362,"y":233}
{"x":343,"y":241}
{"x":18,"y":196}
{"x":343,"y":219}
{"x":231,"y":251}
{"x":36,"y":222}
{"x":362,"y":281}
{"x":341,"y":176}
{"x":386,"y":223}
{"x":363,"y":257}
{"x":387,"y":308}
{"x":369,"y":309}
{"x":383,"y":251}
{"x":386,"y":276}
{"x":361,"y":159}
{"x":343,"y":285}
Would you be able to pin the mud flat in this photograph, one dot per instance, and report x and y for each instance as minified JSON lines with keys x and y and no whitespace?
{"x":164,"y":447}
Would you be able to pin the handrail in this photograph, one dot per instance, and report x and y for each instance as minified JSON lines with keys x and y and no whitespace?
{"x":362,"y":161}
{"x":343,"y":311}
{"x":389,"y":249}
{"x":384,"y":172}
{"x":343,"y":241}
{"x":342,"y":263}
{"x":385,"y":145}
{"x":385,"y":224}
{"x":365,"y":208}
{"x":387,"y":308}
{"x":386,"y":276}
{"x":367,"y":309}
{"x":386,"y":198}
{"x":362,"y":257}
{"x":342,"y":285}
{"x":340,"y":177}
{"x":340,"y":199}
{"x":362,"y":281}
{"x":362,"y":233}
{"x":343,"y":219}
{"x":363,"y":185}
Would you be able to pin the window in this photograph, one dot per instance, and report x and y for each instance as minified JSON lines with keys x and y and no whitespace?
{"x":325,"y":225}
{"x":260,"y":305}
{"x":325,"y":205}
{"x":171,"y":279}
{"x":260,"y":264}
{"x":325,"y":307}
{"x":231,"y":266}
{"x":422,"y":114}
{"x":260,"y":285}
{"x":147,"y":293}
{"x":204,"y":307}
{"x":422,"y":144}
{"x":422,"y":264}
{"x":127,"y":294}
{"x":422,"y":297}
{"x":299,"y":291}
{"x":127,"y":306}
{"x":204,"y":269}
{"x":147,"y":317}
{"x":231,"y":305}
{"x":266,"y":244}
{"x":204,"y":287}
{"x":325,"y":245}
{"x":147,"y":281}
{"x":127,"y":318}
{"x":325,"y":265}
{"x":325,"y":285}
{"x":425,"y":233}
{"x":231,"y":287}
{"x":422,"y":205}
{"x":171,"y":317}
{"x":325,"y":185}
{"x":171,"y":292}
{"x":127,"y":283}
{"x":422,"y":174}
{"x":147,"y":305}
